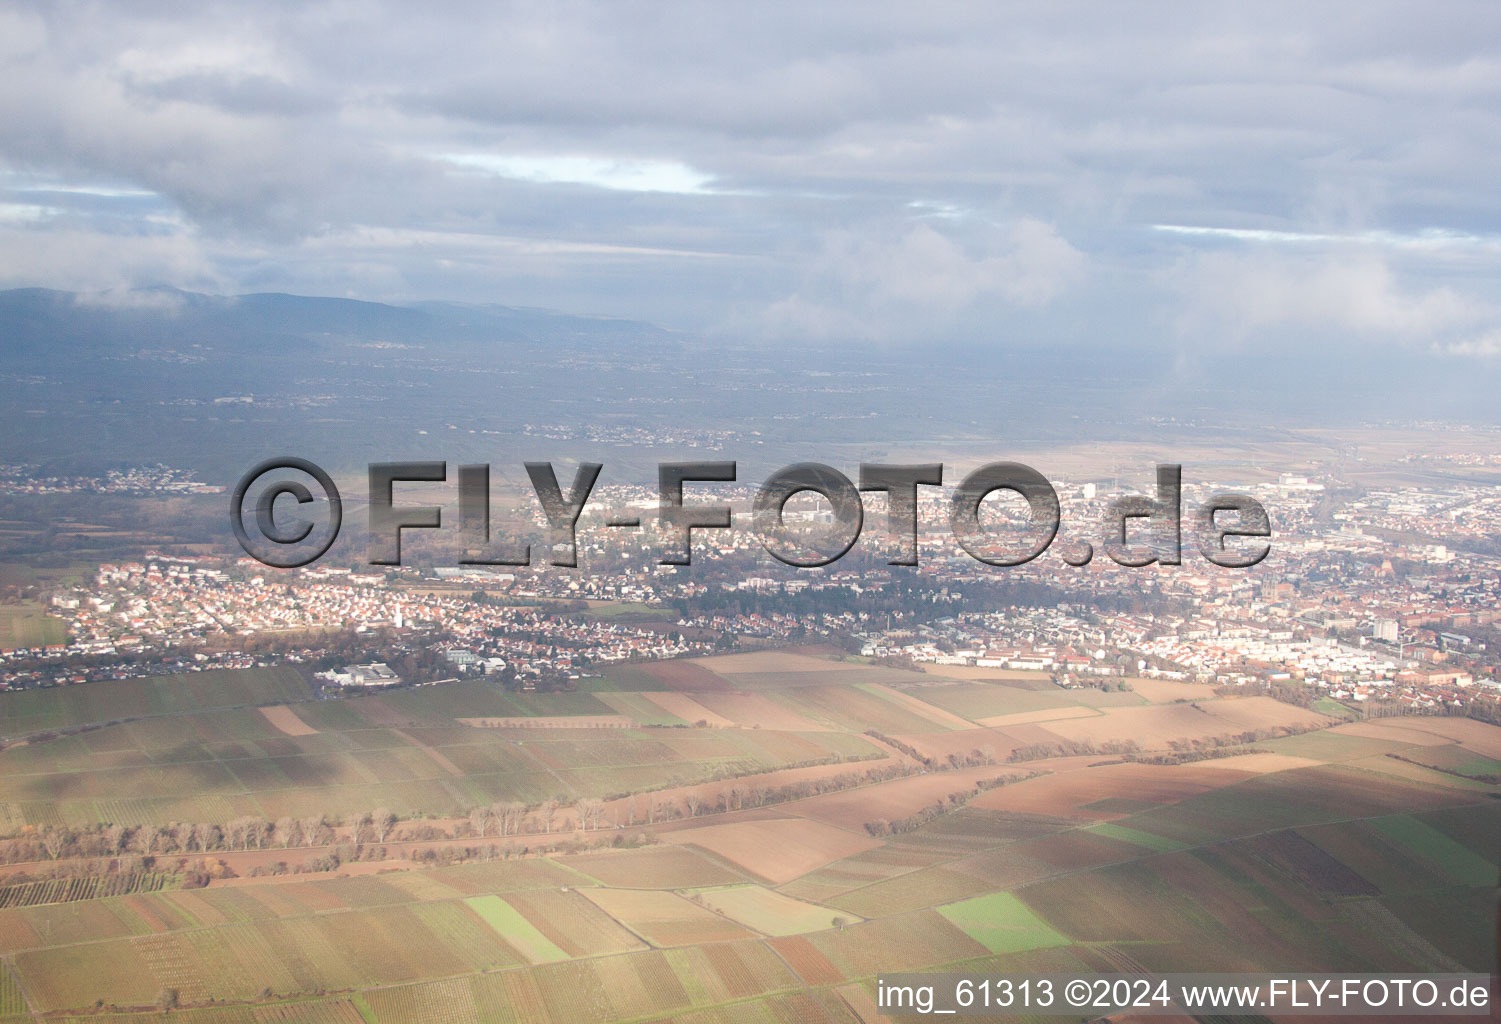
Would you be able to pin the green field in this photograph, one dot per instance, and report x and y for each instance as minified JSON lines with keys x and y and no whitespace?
{"x":515,"y":929}
{"x":1130,"y":835}
{"x":29,"y":625}
{"x":1462,"y":864}
{"x":1332,"y":708}
{"x":630,"y":678}
{"x":1002,"y":924}
{"x":626,"y":609}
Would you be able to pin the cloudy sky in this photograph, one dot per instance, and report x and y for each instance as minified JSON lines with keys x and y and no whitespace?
{"x":1190,"y":175}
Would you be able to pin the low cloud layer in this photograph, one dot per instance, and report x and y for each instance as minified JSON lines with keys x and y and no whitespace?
{"x":1111,"y":175}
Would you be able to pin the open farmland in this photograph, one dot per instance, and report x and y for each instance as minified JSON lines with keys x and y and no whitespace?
{"x":685,"y":675}
{"x":1456,"y":759}
{"x":29,"y":625}
{"x":755,"y":711}
{"x":668,"y":867}
{"x":285,"y":719}
{"x":1040,"y":715}
{"x":219,"y":764}
{"x":510,"y":925}
{"x":980,"y":702}
{"x":1168,"y":691}
{"x":779,"y":849}
{"x":33,"y":711}
{"x":1002,"y":924}
{"x":550,"y":722}
{"x":1474,"y":736}
{"x":783,"y":662}
{"x":939,"y":717}
{"x":664,"y":918}
{"x":854,"y":809}
{"x":987,"y":674}
{"x":770,"y":912}
{"x":1259,"y":763}
{"x":1075,"y":887}
{"x":1083,"y":794}
{"x":639,"y":709}
{"x":684,"y":707}
{"x":1157,"y":726}
{"x":850,"y":709}
{"x":716,"y":906}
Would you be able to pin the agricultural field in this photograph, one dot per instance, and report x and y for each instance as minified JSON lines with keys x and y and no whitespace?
{"x":664,"y":918}
{"x":771,"y":912}
{"x":1002,"y":924}
{"x":785,"y":662}
{"x":330,"y":757}
{"x":1084,"y":795}
{"x":639,"y":709}
{"x":756,"y":711}
{"x":32,"y":711}
{"x":510,"y":925}
{"x":778,"y":850}
{"x":684,"y":675}
{"x":1356,"y":846}
{"x":685,"y":708}
{"x":851,"y":709}
{"x":1456,"y":759}
{"x":29,"y":625}
{"x":1158,"y":725}
{"x":977,"y":701}
{"x":664,"y":867}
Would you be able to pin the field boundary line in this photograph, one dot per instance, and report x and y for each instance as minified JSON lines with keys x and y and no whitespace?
{"x":10,"y":965}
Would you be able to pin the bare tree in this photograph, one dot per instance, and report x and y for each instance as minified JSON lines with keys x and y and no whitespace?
{"x":515,"y":813}
{"x":312,"y":830}
{"x":479,"y":820}
{"x":53,"y":840}
{"x":384,"y":820}
{"x":549,"y":812}
{"x":287,"y":831}
{"x":591,"y":811}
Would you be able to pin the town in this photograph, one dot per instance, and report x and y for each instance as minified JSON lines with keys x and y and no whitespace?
{"x":1350,"y":615}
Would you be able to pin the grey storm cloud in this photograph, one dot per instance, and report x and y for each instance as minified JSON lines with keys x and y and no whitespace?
{"x":851,"y":171}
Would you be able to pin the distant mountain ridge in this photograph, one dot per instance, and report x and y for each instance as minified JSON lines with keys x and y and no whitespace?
{"x":207,"y":381}
{"x":36,"y":321}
